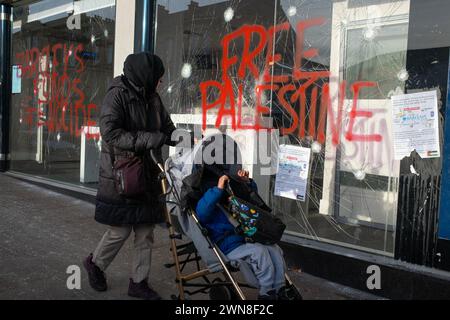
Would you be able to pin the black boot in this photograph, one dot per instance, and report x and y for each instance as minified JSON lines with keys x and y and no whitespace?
{"x":283,"y":294}
{"x":270,"y":295}
{"x":289,"y":293}
{"x":142,"y":290}
{"x":97,"y":278}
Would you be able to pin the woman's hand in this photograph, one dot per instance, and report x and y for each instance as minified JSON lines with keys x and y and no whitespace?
{"x":243,"y":174}
{"x":222,"y":181}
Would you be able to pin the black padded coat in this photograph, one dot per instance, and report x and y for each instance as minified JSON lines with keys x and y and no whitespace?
{"x":131,"y":123}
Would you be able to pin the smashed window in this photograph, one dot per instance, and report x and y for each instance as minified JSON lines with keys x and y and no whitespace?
{"x":63,"y":58}
{"x":321,"y":75}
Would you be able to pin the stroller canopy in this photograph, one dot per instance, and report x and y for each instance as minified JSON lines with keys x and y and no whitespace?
{"x":217,"y":149}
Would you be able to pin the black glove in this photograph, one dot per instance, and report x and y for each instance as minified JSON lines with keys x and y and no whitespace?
{"x":155,"y":140}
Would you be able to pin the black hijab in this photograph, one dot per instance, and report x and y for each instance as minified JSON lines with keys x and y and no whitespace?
{"x":144,"y":70}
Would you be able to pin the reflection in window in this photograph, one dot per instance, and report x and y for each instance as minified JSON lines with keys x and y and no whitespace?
{"x":188,"y":38}
{"x":64,"y":51}
{"x":377,"y":53}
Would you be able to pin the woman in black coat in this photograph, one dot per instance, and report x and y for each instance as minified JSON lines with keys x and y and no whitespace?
{"x":133,"y":121}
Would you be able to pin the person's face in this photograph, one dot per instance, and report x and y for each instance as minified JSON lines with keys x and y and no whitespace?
{"x":160,"y":81}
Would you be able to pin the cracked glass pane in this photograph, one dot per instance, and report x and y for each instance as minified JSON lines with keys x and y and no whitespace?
{"x":63,"y":57}
{"x":322,"y":72}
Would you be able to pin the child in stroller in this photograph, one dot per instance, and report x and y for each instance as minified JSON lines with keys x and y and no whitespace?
{"x":266,"y":261}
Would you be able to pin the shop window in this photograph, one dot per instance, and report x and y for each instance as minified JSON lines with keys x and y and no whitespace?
{"x":377,"y":50}
{"x":63,"y":62}
{"x":352,"y":187}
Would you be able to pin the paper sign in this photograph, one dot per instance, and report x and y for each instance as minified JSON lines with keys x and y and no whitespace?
{"x":292,"y":172}
{"x":415,"y":124}
{"x":16,"y":79}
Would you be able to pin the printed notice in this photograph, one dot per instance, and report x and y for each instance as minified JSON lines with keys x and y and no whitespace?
{"x":16,"y":79}
{"x":415,"y":124}
{"x":292,"y":173}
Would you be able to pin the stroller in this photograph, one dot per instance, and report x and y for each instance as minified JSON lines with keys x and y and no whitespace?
{"x":182,"y":221}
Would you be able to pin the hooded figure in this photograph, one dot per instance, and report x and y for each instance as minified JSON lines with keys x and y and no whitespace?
{"x":133,"y":121}
{"x":143,"y":71}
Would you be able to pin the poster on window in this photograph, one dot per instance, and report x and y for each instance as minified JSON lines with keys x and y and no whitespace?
{"x":415,"y":124}
{"x":16,"y":79}
{"x":292,"y":172}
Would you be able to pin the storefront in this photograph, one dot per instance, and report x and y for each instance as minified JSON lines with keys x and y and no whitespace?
{"x":63,"y":56}
{"x":285,"y":60}
{"x":321,"y":74}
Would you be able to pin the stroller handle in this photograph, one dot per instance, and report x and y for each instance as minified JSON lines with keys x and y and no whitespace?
{"x":153,"y":156}
{"x":155,"y":160}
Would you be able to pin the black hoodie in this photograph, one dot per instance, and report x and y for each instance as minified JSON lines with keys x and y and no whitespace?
{"x":143,"y":70}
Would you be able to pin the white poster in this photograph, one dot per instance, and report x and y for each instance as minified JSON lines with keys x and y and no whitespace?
{"x":292,"y":172}
{"x":16,"y":79}
{"x":415,"y":124}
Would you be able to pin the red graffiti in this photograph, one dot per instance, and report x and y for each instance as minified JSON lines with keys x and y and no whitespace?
{"x":59,"y":98}
{"x":294,"y":85}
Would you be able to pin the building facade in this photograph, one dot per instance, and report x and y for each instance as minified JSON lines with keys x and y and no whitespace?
{"x":337,"y":77}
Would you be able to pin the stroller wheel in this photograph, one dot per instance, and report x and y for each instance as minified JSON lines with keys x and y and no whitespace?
{"x":177,"y":297}
{"x":221,"y":292}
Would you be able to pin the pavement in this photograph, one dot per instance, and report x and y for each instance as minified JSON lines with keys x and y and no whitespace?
{"x":43,"y":233}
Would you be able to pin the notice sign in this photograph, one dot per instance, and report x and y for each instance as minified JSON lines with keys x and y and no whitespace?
{"x":16,"y":79}
{"x":292,"y":173}
{"x":415,"y":124}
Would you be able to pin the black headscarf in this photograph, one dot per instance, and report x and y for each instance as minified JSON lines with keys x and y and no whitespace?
{"x":144,"y":71}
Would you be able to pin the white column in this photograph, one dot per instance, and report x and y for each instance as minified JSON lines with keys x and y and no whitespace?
{"x":124,"y":40}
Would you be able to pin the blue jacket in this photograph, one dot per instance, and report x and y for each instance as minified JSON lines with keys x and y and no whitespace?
{"x":216,"y":222}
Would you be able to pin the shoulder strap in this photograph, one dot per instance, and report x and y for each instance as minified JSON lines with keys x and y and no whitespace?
{"x":233,"y":221}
